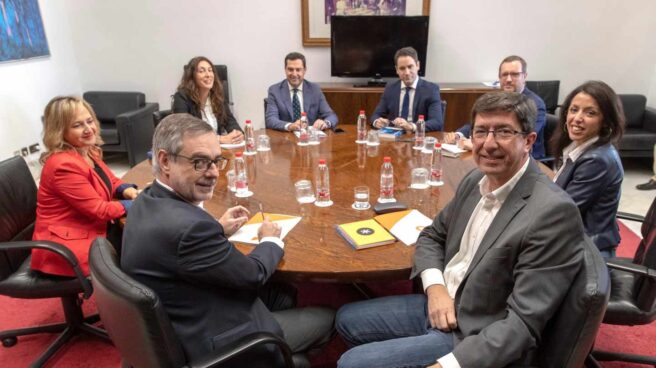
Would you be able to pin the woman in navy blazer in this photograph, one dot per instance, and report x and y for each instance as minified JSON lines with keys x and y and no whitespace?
{"x":201,"y":94}
{"x":591,"y":121}
{"x":74,"y":201}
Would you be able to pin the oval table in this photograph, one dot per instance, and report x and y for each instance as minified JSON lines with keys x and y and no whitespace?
{"x":313,"y":249}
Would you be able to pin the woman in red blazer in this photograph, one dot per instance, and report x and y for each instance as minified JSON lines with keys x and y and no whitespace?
{"x":74,"y":201}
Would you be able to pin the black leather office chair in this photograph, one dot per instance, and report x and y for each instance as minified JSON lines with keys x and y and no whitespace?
{"x":549,"y":129}
{"x":640,"y":128}
{"x":569,"y":335}
{"x":158,"y":116}
{"x":633,"y":287}
{"x":126,"y":122}
{"x":17,"y":280}
{"x":548,"y":91}
{"x":443,"y":102}
{"x":139,"y":326}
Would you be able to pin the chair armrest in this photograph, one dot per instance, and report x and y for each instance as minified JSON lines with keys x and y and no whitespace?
{"x":59,"y":249}
{"x":632,"y":268}
{"x":241,"y":346}
{"x":630,"y":216}
{"x":649,"y":119}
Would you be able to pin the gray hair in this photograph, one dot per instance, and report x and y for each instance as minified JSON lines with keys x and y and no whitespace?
{"x":522,"y":106}
{"x":172,"y":130}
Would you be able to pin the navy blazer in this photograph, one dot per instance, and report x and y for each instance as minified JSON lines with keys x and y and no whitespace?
{"x":207,"y":286}
{"x":184,"y":104}
{"x":594,"y":181}
{"x":426,"y":102}
{"x":279,"y":109}
{"x":538,"y":150}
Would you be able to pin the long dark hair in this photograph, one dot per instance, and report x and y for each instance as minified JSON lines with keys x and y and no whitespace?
{"x":612,"y":113}
{"x":188,"y":87}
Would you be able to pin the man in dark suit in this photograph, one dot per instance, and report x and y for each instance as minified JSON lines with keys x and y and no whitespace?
{"x":495,"y":264}
{"x":288,"y":99}
{"x":171,"y":244}
{"x":404,"y":100}
{"x":512,"y":78}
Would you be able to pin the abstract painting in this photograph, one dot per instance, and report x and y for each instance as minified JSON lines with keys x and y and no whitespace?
{"x":21,"y":30}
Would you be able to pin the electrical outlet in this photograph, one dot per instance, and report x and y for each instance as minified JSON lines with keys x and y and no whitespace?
{"x":34,"y":148}
{"x":24,"y":151}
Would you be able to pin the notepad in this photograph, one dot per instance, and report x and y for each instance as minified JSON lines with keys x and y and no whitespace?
{"x":248,"y":232}
{"x":364,"y":234}
{"x":404,"y":225}
{"x":451,"y":150}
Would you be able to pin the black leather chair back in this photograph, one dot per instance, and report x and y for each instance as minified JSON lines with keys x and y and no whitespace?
{"x":17,"y":211}
{"x":634,"y":109}
{"x":107,"y":105}
{"x":645,"y":287}
{"x":569,"y":336}
{"x":548,"y":91}
{"x":132,"y":313}
{"x":160,"y":115}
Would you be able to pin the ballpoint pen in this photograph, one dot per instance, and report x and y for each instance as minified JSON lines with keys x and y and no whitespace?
{"x":261,"y":211}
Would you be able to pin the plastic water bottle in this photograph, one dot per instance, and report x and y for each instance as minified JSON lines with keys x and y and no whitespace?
{"x":241,"y":176}
{"x":436,"y":167}
{"x":362,"y":128}
{"x":249,"y":138}
{"x":420,"y":133}
{"x":386,"y":181}
{"x":304,"y":135}
{"x":322,"y":185}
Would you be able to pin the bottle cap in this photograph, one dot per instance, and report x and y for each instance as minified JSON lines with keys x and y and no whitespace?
{"x":387,"y":159}
{"x":421,"y":117}
{"x":438,"y":145}
{"x":361,"y":112}
{"x":303,"y":113}
{"x":248,"y":121}
{"x":322,"y":161}
{"x":238,"y":154}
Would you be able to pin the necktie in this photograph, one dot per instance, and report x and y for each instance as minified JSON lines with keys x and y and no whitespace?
{"x":296,"y":105}
{"x":405,"y":106}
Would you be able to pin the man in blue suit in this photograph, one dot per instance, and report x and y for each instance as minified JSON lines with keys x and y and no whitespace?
{"x":404,"y":100}
{"x":512,"y":78}
{"x":294,"y":95}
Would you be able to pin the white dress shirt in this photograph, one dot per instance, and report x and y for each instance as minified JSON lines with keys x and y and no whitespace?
{"x":208,"y":115}
{"x":573,"y":153}
{"x":479,"y":222}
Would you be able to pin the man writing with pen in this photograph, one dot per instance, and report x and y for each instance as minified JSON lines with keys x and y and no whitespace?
{"x":213,"y":293}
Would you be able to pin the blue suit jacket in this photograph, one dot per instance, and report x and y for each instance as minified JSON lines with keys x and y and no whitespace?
{"x":594,"y":182}
{"x":427,"y":102}
{"x":279,"y":105}
{"x":540,"y":122}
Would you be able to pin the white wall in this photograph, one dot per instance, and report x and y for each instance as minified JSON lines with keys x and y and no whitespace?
{"x":26,"y":86}
{"x":142,"y":45}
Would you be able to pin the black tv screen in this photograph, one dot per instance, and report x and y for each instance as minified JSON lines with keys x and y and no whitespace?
{"x":364,"y":46}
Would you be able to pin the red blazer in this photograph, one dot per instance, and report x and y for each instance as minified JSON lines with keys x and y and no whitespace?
{"x":73,"y":207}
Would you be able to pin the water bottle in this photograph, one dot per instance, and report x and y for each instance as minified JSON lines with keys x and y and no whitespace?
{"x":241,"y":176}
{"x":386,"y":181}
{"x":362,"y":128}
{"x":420,"y":133}
{"x":249,"y":138}
{"x":436,"y":167}
{"x":322,"y":185}
{"x":304,"y":135}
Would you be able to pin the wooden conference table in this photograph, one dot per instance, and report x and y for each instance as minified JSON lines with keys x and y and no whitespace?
{"x":313,"y":249}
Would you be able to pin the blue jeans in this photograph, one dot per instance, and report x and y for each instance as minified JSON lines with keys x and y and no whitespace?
{"x":390,"y":332}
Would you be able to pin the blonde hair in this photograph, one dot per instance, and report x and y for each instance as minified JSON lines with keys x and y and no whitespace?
{"x":59,"y":113}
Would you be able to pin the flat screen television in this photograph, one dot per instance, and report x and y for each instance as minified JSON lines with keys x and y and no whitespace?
{"x":364,"y":46}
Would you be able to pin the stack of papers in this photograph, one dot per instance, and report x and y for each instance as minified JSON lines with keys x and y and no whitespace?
{"x":233,"y":145}
{"x":451,"y":150}
{"x":404,"y":225}
{"x":248,"y":232}
{"x":365,"y":234}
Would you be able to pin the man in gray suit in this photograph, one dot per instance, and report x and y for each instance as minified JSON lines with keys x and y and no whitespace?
{"x":495,"y":264}
{"x":294,"y":95}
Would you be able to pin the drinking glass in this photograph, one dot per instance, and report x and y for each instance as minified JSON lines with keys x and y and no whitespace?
{"x":230,"y":176}
{"x":372,"y":138}
{"x":263,"y":143}
{"x":429,"y":144}
{"x":304,"y":192}
{"x":361,"y":198}
{"x":419,"y":178}
{"x":313,"y":135}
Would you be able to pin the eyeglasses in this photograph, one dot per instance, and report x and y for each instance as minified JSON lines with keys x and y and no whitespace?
{"x":512,"y":75}
{"x":502,"y":134}
{"x":204,"y":164}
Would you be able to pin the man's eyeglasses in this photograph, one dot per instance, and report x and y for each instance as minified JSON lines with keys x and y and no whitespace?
{"x":512,"y":75}
{"x":503,"y":134}
{"x":204,"y":164}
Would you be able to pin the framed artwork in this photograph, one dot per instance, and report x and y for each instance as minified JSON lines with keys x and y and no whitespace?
{"x":21,"y":31}
{"x":315,"y":14}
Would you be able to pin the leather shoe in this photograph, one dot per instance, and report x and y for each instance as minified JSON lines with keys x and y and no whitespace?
{"x":651,"y":184}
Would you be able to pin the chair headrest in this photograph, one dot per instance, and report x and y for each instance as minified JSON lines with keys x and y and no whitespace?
{"x":107,"y":105}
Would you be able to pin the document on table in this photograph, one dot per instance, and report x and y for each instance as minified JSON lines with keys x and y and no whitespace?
{"x":320,"y":133}
{"x":248,"y":232}
{"x":233,"y":145}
